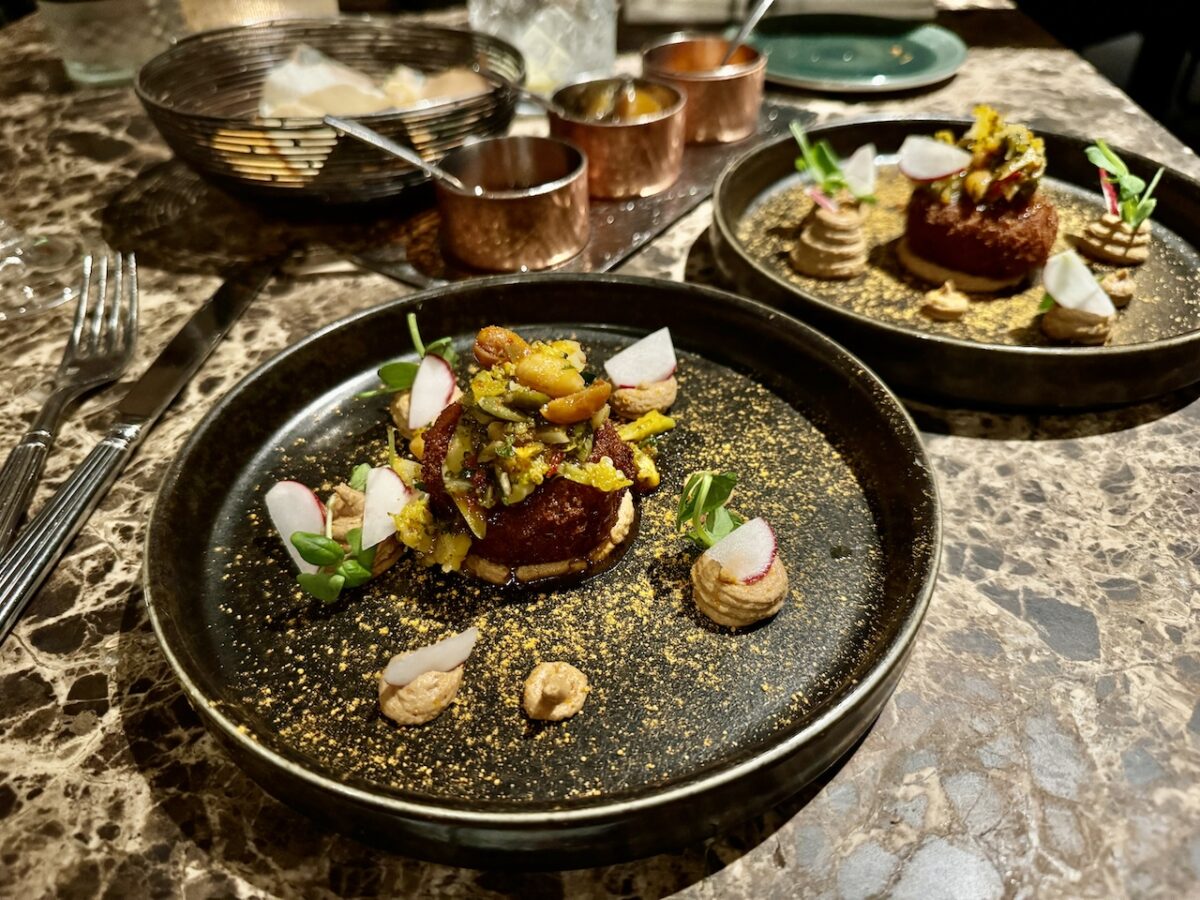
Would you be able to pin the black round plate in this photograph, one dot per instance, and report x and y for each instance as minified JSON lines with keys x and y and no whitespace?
{"x":1156,"y":344}
{"x":689,"y":727}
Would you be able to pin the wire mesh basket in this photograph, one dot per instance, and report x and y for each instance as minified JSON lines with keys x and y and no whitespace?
{"x":203,"y":94}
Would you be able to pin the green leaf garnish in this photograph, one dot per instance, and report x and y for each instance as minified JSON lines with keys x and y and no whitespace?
{"x":358,"y":477}
{"x":317,"y":549}
{"x":415,"y":334}
{"x":399,"y":375}
{"x":364,"y":557}
{"x":1134,"y":199}
{"x":444,"y":348}
{"x":1047,"y":304}
{"x":821,"y":162}
{"x":353,"y":573}
{"x":322,"y":586}
{"x":702,"y":506}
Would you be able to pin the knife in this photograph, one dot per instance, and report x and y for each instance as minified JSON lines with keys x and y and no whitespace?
{"x":39,"y":547}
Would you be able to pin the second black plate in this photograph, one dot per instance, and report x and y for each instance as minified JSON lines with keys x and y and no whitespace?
{"x":996,"y":355}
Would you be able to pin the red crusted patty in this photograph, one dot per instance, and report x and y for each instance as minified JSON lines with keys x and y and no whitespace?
{"x":999,"y":241}
{"x":560,"y":520}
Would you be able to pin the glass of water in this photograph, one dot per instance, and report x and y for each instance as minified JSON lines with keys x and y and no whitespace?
{"x":105,"y":41}
{"x":562,"y":40}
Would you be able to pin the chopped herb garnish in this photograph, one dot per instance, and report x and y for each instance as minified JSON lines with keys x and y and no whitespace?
{"x":702,"y":507}
{"x":1135,"y":202}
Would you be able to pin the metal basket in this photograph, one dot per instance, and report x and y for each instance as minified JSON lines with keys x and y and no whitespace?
{"x":203,"y":94}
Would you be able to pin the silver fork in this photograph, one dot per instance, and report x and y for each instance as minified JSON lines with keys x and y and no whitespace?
{"x":101,"y":344}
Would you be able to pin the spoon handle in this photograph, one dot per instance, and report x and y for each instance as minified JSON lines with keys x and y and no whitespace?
{"x":752,"y":19}
{"x":370,"y":136}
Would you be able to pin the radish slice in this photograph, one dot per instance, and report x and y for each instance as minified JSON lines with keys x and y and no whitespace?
{"x":820,"y":198}
{"x":747,"y":552}
{"x":924,"y":159}
{"x":293,"y":507}
{"x":649,"y":360}
{"x":1071,"y":283}
{"x":859,"y":170}
{"x":386,"y":495}
{"x":1110,"y":193}
{"x":431,"y":391}
{"x":447,"y":654}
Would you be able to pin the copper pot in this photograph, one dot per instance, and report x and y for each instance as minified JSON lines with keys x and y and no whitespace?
{"x":722,"y":101}
{"x":525,"y":206}
{"x":632,"y":158}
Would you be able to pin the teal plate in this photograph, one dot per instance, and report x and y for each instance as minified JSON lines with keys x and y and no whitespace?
{"x":857,"y":54}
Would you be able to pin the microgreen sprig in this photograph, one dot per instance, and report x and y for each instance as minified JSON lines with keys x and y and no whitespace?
{"x":821,"y":162}
{"x":702,"y":514}
{"x":1135,"y":202}
{"x":338,"y":569}
{"x":399,"y":376}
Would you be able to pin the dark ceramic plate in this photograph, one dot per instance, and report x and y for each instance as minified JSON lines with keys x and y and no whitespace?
{"x":996,"y":355}
{"x":689,"y":727}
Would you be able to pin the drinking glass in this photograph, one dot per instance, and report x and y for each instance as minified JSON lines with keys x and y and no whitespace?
{"x":105,"y":41}
{"x":562,"y":40}
{"x":37,"y":272}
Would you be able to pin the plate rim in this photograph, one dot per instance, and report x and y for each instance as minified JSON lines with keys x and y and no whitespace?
{"x":893,"y":657}
{"x":942,"y":72}
{"x":728,"y":235}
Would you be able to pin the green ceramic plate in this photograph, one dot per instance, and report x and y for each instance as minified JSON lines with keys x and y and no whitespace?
{"x":857,"y":54}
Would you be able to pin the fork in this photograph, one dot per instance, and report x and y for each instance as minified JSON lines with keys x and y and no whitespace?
{"x":99,"y":348}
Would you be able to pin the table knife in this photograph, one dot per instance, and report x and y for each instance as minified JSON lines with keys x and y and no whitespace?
{"x":43,"y":541}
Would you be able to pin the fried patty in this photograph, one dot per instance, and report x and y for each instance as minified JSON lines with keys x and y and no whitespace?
{"x":998,"y":241}
{"x":560,"y":520}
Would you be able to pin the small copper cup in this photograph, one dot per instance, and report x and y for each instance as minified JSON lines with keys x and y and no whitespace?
{"x":722,"y":101}
{"x":525,"y":207}
{"x":632,"y":158}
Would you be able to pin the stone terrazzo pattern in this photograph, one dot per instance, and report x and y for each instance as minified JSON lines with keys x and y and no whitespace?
{"x":1045,"y":739}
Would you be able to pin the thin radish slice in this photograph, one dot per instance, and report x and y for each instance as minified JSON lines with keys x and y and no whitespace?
{"x":293,"y":507}
{"x":859,"y":170}
{"x":1071,"y":283}
{"x":386,"y":495}
{"x":822,"y":200}
{"x":747,"y":552}
{"x":649,"y":360}
{"x":1110,"y":193}
{"x":432,"y":389}
{"x":924,"y":159}
{"x":447,"y":654}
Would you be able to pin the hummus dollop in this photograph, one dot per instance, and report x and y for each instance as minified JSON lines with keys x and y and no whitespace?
{"x":946,"y":303}
{"x":831,"y":243}
{"x":633,"y":403}
{"x":1110,"y":240}
{"x":733,"y":603}
{"x":555,"y":691}
{"x":1076,"y":325}
{"x":422,"y":699}
{"x":1120,"y":287}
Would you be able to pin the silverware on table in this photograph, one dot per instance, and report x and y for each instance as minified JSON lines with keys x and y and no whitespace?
{"x":100,"y":345}
{"x":752,"y":19}
{"x":40,"y":545}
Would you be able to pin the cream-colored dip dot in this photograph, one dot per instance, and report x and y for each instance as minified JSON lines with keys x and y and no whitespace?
{"x":422,"y":699}
{"x":945,"y":303}
{"x":632,"y":403}
{"x":1075,"y":325}
{"x":555,"y":691}
{"x":732,"y":603}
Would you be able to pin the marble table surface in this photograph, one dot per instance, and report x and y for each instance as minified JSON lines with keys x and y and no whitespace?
{"x":1044,"y":740}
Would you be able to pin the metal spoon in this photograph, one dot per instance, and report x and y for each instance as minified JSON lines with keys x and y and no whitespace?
{"x":756,"y":13}
{"x":537,"y":99}
{"x":375,"y":139}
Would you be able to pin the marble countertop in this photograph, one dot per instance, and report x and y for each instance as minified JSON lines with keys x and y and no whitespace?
{"x":1044,"y":740}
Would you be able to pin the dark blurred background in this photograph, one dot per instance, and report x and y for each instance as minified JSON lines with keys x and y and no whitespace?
{"x":1147,"y":48}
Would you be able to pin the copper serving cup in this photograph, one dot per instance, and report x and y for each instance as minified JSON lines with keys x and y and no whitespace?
{"x":631,"y":158}
{"x":722,"y":101}
{"x":525,"y":205}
